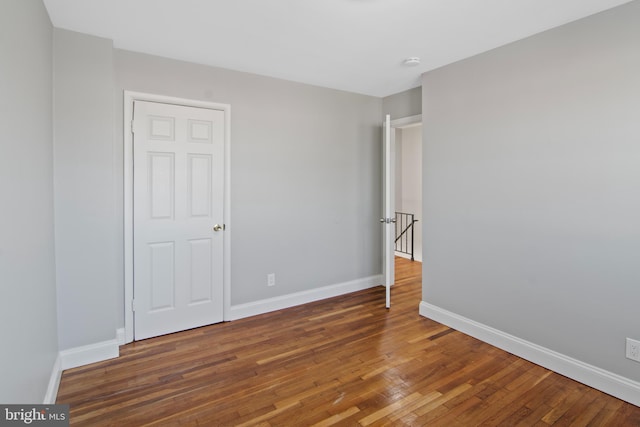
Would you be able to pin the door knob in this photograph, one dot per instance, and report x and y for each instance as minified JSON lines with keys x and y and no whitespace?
{"x":217,"y":227}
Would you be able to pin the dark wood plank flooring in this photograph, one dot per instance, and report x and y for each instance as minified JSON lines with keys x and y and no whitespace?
{"x":344,"y":361}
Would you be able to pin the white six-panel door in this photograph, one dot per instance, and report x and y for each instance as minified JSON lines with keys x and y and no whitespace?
{"x":178,"y":230}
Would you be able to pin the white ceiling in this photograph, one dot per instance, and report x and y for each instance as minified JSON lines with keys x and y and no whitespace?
{"x":353,"y":45}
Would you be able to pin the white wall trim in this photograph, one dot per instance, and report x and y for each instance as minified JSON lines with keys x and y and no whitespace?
{"x":120,"y":336}
{"x":608,"y":382}
{"x":79,"y":356}
{"x":129,"y":97}
{"x":84,"y":355}
{"x":405,"y":122}
{"x":285,"y":301}
{"x":54,"y":382}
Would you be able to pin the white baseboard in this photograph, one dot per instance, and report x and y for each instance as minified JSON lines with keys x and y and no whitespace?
{"x":278,"y":303}
{"x":54,"y":382}
{"x":120,"y":337}
{"x":79,"y":356}
{"x":87,"y":354}
{"x":608,"y":382}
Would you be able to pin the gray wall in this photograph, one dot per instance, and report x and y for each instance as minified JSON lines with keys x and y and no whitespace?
{"x":305,"y":173}
{"x":27,"y":271}
{"x":85,"y":208}
{"x":531,"y":188}
{"x":403,"y":104}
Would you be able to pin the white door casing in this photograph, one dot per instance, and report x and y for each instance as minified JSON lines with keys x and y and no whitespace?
{"x":388,"y":214}
{"x":181,"y":191}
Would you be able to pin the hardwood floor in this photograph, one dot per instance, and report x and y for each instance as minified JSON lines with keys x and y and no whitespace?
{"x":344,"y":361}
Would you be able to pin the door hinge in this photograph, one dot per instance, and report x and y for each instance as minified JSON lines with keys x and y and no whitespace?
{"x":133,"y":305}
{"x":132,"y":127}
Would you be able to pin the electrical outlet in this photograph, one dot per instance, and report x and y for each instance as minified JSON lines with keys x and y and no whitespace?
{"x":271,"y":279}
{"x":633,"y":349}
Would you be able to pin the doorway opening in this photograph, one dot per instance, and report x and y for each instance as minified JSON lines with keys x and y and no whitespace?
{"x":396,"y":193}
{"x":408,"y":191}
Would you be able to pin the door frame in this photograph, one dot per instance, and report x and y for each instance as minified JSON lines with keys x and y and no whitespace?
{"x":406,"y":121}
{"x":129,"y":98}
